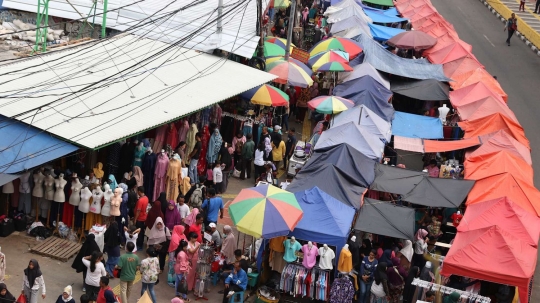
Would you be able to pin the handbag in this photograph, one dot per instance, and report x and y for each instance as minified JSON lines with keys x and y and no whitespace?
{"x":182,"y":287}
{"x":21,"y":299}
{"x":378,"y":290}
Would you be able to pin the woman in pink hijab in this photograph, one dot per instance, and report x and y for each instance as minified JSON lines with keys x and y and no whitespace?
{"x":420,"y":248}
{"x":305,"y":14}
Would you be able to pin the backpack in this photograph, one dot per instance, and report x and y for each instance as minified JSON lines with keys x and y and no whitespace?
{"x":197,"y":196}
{"x":239,"y":146}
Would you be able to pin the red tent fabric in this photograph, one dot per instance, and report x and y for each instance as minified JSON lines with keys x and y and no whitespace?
{"x":446,"y":40}
{"x":494,"y":255}
{"x":493,"y":123}
{"x":469,"y":93}
{"x":499,"y":162}
{"x":479,"y":75}
{"x":438,"y":29}
{"x":506,"y":185}
{"x":417,"y":7}
{"x":433,"y":18}
{"x":449,"y":53}
{"x":506,"y":214}
{"x":434,"y":146}
{"x":461,"y":66}
{"x":484,"y":107}
{"x":499,"y":141}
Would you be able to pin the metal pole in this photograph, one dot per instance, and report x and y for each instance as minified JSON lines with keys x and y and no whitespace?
{"x":104,"y":20}
{"x":260,"y":50}
{"x":290,"y":29}
{"x":220,"y":14}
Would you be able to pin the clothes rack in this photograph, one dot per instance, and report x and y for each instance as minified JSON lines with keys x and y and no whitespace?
{"x":302,"y":282}
{"x":473,"y":298}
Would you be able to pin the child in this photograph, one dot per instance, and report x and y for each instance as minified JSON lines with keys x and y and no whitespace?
{"x":150,"y":272}
{"x":85,"y":298}
{"x":131,"y":235}
{"x":217,"y":176}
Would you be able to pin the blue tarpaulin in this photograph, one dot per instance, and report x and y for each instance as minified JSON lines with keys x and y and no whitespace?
{"x":383,"y":18}
{"x":23,"y":146}
{"x":391,"y":12}
{"x":325,"y":220}
{"x":383,"y":33}
{"x":416,"y":126}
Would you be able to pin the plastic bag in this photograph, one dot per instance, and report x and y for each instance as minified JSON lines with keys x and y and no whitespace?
{"x":21,"y":299}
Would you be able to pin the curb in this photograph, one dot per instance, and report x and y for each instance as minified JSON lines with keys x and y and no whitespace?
{"x":520,"y":35}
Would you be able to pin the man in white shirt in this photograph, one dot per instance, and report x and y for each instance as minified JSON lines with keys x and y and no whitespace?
{"x":216,"y":237}
{"x":183,"y":209}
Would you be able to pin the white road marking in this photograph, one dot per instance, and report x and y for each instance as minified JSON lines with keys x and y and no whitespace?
{"x":489,"y":41}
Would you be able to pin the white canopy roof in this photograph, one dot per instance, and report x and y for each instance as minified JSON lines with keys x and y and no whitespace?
{"x":85,"y":94}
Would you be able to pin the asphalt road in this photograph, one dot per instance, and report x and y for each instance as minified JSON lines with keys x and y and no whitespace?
{"x":516,"y":67}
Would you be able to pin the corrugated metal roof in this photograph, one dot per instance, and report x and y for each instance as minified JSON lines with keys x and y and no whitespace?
{"x":239,"y":22}
{"x":154,"y":92}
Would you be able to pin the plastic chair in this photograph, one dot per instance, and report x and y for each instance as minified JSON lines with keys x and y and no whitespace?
{"x":237,"y":294}
{"x":215,"y":277}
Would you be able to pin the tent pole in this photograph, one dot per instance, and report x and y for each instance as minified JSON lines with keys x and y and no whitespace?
{"x":290,"y":28}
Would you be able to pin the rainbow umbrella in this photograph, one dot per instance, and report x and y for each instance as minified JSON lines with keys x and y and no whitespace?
{"x":274,"y":50}
{"x":265,"y":211}
{"x":292,"y":60}
{"x":289,"y":73}
{"x":278,"y":41}
{"x":334,"y":67}
{"x":330,"y":104}
{"x":266,"y":95}
{"x":280,"y":3}
{"x":328,"y":56}
{"x":343,"y":44}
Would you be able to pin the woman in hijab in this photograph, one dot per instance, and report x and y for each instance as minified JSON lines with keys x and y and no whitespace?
{"x":386,"y":257}
{"x":228,"y":245}
{"x":138,"y":175}
{"x":420,"y":248}
{"x":267,"y":149}
{"x":88,"y":247}
{"x":177,"y":236}
{"x":192,"y":217}
{"x":163,"y":201}
{"x":406,"y":254}
{"x":159,"y":238}
{"x":396,"y":280}
{"x":172,"y":216}
{"x":365,"y":249}
{"x":112,"y":182}
{"x":5,"y":295}
{"x":452,"y":298}
{"x":66,"y":296}
{"x":33,"y":281}
{"x":153,"y":214}
{"x":112,"y":248}
{"x":214,"y":146}
{"x":381,"y":278}
{"x":408,"y":289}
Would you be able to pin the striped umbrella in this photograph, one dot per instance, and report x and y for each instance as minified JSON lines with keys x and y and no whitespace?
{"x":343,"y":44}
{"x":292,"y":60}
{"x":280,"y":3}
{"x":330,"y":104}
{"x":266,"y":95}
{"x":289,"y":73}
{"x":273,"y":50}
{"x":278,"y":41}
{"x":328,"y":56}
{"x":334,"y":67}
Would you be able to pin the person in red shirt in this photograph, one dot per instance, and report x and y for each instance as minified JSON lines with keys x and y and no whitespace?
{"x":140,"y":216}
{"x":105,"y":292}
{"x":456,"y":218}
{"x":197,"y":227}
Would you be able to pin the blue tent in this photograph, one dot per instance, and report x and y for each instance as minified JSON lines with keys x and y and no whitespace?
{"x":383,"y":18}
{"x":325,"y":220}
{"x":23,"y":146}
{"x":368,"y":91}
{"x":392,"y":12}
{"x":383,"y":33}
{"x":416,"y":126}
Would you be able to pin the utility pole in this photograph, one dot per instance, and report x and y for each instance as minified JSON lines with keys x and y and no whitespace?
{"x":104,"y":20}
{"x":41,"y":29}
{"x":260,"y":30}
{"x":290,"y":28}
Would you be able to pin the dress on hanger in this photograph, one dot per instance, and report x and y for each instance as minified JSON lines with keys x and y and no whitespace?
{"x":174,"y":175}
{"x":172,"y":136}
{"x":148,"y":168}
{"x":214,"y":146}
{"x":182,"y":132}
{"x":160,"y":138}
{"x":138,"y":156}
{"x":201,"y":165}
{"x":159,"y":174}
{"x":345,"y":261}
{"x":190,"y":138}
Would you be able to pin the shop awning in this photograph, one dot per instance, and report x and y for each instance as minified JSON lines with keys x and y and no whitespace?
{"x":346,"y":158}
{"x":23,"y":147}
{"x":332,"y":180}
{"x":426,"y":90}
{"x":115,"y":88}
{"x":416,"y":126}
{"x":385,"y":218}
{"x":5,"y":178}
{"x":492,"y":254}
{"x":359,"y":138}
{"x":364,"y":117}
{"x":333,"y":218}
{"x":434,"y":146}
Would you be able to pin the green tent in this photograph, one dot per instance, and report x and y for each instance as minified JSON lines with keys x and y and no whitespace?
{"x":388,"y":3}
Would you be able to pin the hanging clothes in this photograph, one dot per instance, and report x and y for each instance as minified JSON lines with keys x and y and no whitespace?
{"x":345,"y":260}
{"x":138,"y":155}
{"x":215,"y":115}
{"x":174,"y":175}
{"x":160,"y":138}
{"x":214,"y":146}
{"x":182,"y":131}
{"x":172,"y":136}
{"x":342,"y":291}
{"x":201,"y":165}
{"x":190,"y":138}
{"x":148,"y":168}
{"x":160,"y":173}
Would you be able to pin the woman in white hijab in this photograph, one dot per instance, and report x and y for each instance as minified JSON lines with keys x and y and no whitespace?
{"x":406,"y":254}
{"x":66,"y":296}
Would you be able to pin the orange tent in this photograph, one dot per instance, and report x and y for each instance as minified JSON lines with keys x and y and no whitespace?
{"x":411,"y":10}
{"x":421,"y":12}
{"x":431,"y":19}
{"x":461,"y":66}
{"x":493,"y":123}
{"x":487,"y":165}
{"x":434,"y":146}
{"x":498,"y":141}
{"x":438,"y":29}
{"x":484,"y":107}
{"x":506,"y":185}
{"x":492,"y":254}
{"x":504,"y":213}
{"x":403,"y":6}
{"x":479,"y":75}
{"x":449,"y":53}
{"x":446,"y":40}
{"x":470,"y":93}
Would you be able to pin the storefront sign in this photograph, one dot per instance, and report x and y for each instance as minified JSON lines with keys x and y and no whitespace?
{"x":300,"y":55}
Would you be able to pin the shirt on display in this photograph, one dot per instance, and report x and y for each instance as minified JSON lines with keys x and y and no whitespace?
{"x":290,"y":250}
{"x":327,"y":256}
{"x":345,"y":261}
{"x":310,"y":256}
